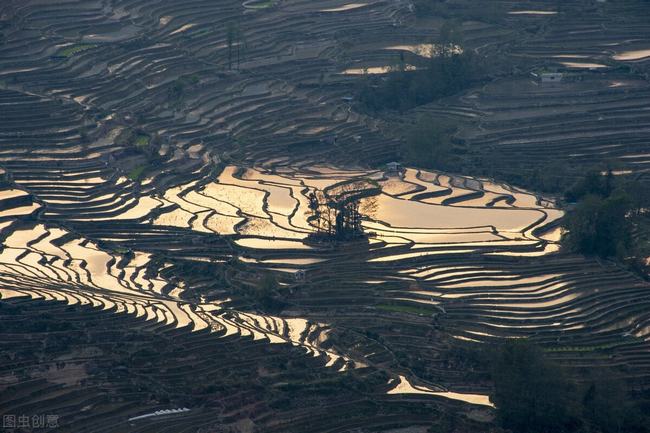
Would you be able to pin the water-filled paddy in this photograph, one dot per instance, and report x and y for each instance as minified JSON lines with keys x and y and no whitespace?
{"x":632,"y":55}
{"x":346,"y":7}
{"x":271,"y":207}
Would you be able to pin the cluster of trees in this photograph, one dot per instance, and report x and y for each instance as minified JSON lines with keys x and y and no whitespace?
{"x":551,"y":177}
{"x":600,"y":226}
{"x":534,"y":395}
{"x":602,"y":220}
{"x":444,"y":74}
{"x":337,"y":212}
{"x":267,"y":294}
{"x":531,"y":394}
{"x":593,"y":183}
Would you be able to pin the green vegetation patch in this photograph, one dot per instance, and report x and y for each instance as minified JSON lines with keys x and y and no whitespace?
{"x":584,"y":349}
{"x":76,"y":49}
{"x":136,"y":173}
{"x":202,"y":32}
{"x":142,"y":140}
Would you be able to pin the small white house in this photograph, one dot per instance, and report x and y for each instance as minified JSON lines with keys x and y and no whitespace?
{"x":393,"y":167}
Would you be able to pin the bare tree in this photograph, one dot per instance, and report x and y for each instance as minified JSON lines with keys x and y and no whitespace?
{"x":338,"y":211}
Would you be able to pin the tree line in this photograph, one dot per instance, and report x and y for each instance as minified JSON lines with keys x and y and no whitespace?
{"x":444,"y":74}
{"x":533,"y":394}
{"x":606,"y":211}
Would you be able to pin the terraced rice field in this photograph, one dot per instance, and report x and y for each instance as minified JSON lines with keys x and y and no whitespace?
{"x":595,"y":115}
{"x":152,"y":178}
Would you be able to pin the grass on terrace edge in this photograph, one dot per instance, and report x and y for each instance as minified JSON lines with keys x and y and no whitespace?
{"x":74,"y":49}
{"x":136,"y":173}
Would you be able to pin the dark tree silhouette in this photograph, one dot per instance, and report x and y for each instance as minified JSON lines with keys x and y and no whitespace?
{"x":337,"y":212}
{"x":531,"y":393}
